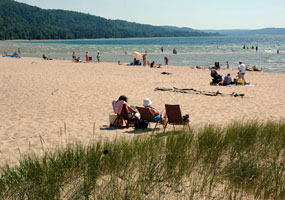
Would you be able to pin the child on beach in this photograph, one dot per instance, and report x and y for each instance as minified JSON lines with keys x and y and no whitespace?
{"x":98,"y":57}
{"x":87,"y":57}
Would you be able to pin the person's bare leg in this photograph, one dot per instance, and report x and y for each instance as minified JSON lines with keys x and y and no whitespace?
{"x":163,"y":117}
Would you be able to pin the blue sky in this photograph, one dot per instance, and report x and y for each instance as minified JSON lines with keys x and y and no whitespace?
{"x":197,"y":14}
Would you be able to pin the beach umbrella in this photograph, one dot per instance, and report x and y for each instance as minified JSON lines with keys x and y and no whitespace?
{"x":137,"y":55}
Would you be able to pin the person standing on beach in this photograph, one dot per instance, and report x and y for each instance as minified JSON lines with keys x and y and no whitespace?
{"x":98,"y":57}
{"x":165,"y":60}
{"x":87,"y":57}
{"x":241,"y":69}
{"x":144,"y":59}
{"x":228,"y":65}
{"x":73,"y":56}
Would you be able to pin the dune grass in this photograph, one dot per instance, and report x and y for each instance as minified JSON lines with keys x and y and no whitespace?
{"x":239,"y":161}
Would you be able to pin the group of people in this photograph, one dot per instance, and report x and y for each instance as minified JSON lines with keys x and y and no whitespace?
{"x":87,"y":58}
{"x":218,"y":79}
{"x":252,"y":47}
{"x":134,"y":114}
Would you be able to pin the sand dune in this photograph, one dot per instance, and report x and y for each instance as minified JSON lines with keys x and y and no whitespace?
{"x":44,"y":104}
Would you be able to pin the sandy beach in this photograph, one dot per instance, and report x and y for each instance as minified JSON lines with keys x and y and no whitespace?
{"x":45,"y":104}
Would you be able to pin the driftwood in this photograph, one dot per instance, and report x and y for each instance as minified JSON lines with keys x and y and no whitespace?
{"x":194,"y":91}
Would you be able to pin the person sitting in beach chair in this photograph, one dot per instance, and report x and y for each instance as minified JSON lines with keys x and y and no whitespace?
{"x":217,"y":78}
{"x":160,"y":117}
{"x":124,"y":111}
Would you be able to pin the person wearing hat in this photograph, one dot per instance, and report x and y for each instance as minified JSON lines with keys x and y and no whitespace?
{"x":161,"y":117}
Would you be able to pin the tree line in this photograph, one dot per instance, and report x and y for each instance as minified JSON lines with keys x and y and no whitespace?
{"x":22,"y":21}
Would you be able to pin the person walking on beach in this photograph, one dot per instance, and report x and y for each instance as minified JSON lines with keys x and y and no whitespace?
{"x":87,"y":57}
{"x":241,"y":69}
{"x":165,"y":60}
{"x":98,"y":57}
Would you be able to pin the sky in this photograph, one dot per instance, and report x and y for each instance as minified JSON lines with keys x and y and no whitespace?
{"x":197,"y":14}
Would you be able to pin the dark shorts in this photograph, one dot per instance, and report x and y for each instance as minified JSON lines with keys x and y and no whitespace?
{"x":242,"y":73}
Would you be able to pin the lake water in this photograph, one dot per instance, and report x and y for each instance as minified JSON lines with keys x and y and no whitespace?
{"x":192,"y":51}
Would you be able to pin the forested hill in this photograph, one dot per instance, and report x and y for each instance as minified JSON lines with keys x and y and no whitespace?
{"x":22,"y":21}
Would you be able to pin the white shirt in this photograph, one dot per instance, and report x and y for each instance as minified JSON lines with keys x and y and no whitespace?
{"x":242,"y":68}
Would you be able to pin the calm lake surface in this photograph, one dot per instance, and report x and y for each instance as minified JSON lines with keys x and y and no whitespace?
{"x":191,"y":51}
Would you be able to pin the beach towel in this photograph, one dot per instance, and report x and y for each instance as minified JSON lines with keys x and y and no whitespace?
{"x":117,"y":106}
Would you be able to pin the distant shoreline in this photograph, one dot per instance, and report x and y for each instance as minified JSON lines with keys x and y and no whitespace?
{"x":106,"y":38}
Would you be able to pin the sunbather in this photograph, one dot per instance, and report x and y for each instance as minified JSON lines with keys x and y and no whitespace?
{"x":161,"y":117}
{"x":118,"y":106}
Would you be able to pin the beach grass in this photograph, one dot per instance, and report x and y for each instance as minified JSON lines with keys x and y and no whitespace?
{"x":243,"y":160}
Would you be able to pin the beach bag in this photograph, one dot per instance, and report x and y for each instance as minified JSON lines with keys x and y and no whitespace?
{"x":141,"y":124}
{"x":116,"y":121}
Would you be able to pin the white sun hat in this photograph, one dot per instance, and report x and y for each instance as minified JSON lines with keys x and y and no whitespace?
{"x":147,"y":102}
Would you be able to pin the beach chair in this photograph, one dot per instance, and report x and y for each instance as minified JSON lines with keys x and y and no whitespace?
{"x":123,"y":114}
{"x":147,"y":116}
{"x":174,"y":116}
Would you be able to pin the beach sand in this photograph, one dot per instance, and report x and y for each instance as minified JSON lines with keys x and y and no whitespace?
{"x":46,"y":104}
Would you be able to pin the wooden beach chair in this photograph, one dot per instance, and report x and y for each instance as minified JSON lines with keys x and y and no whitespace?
{"x":174,"y":116}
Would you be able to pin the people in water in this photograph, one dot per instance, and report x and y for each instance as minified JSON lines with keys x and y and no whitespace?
{"x":174,"y":51}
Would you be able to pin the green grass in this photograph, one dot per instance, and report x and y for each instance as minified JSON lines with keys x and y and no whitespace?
{"x":239,"y":161}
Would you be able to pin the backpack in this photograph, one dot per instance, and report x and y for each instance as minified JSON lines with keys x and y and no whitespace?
{"x":141,"y":124}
